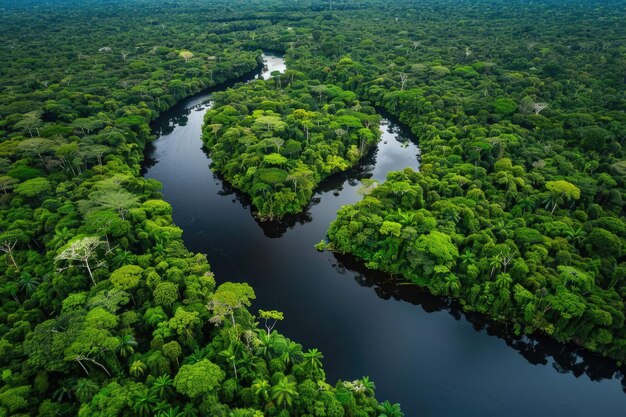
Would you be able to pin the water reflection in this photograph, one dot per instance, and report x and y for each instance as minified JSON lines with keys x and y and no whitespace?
{"x":536,"y":349}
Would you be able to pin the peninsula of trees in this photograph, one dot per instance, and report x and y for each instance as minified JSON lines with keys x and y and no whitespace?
{"x":277,"y":139}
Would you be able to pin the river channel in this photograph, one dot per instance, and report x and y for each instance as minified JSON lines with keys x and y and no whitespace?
{"x":421,"y":351}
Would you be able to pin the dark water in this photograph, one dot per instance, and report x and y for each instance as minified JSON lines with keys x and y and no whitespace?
{"x":420,"y":350}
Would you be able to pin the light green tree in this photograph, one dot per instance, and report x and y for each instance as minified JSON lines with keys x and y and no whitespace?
{"x":198,"y":379}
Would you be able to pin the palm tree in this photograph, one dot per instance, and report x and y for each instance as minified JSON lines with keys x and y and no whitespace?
{"x":188,"y":411}
{"x":313,"y":358}
{"x":137,"y":368}
{"x":467,"y":257}
{"x":368,"y":384}
{"x":292,"y":353}
{"x":526,"y":205}
{"x":85,"y":389}
{"x":61,"y":237}
{"x":170,"y":412}
{"x":123,"y":257}
{"x":231,"y":355}
{"x":503,"y":281}
{"x":249,"y":364}
{"x":451,"y":284}
{"x":144,"y":404}
{"x":195,"y":357}
{"x":65,"y":390}
{"x":575,"y":236}
{"x":495,"y":263}
{"x":28,"y":283}
{"x":261,"y":389}
{"x":406,"y":218}
{"x":390,"y":410}
{"x":159,"y":247}
{"x":163,"y":386}
{"x":554,"y":200}
{"x":127,"y":345}
{"x":266,"y":344}
{"x":284,"y":392}
{"x":161,"y":406}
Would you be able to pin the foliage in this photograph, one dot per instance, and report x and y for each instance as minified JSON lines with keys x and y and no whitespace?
{"x":276,"y":140}
{"x":103,"y":312}
{"x":521,"y":134}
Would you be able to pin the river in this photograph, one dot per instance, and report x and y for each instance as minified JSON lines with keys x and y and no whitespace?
{"x":420,"y":350}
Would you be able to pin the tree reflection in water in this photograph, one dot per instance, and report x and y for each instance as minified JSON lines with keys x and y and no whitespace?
{"x":537,"y":349}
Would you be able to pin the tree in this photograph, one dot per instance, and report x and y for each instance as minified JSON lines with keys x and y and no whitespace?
{"x":7,"y":246}
{"x":198,"y":379}
{"x":261,"y":389}
{"x":267,"y":344}
{"x":163,"y":386}
{"x":403,"y":79}
{"x":127,"y":277}
{"x":36,"y":146}
{"x":292,"y":353}
{"x":7,"y":183}
{"x":137,"y":368}
{"x":434,"y":248}
{"x":275,"y":159}
{"x":368,"y":385}
{"x":30,"y":121}
{"x":33,"y":187}
{"x":83,"y":250}
{"x":390,"y":410}
{"x":270,"y":317}
{"x":127,"y":345}
{"x":301,"y":176}
{"x":172,"y":351}
{"x":13,"y":399}
{"x":118,"y":200}
{"x":561,"y":191}
{"x":85,"y":389}
{"x":602,"y":243}
{"x":537,"y":107}
{"x":313,"y":358}
{"x":504,"y":106}
{"x":27,"y":282}
{"x":186,"y":55}
{"x":92,"y":340}
{"x":228,"y":298}
{"x":165,"y":293}
{"x":451,"y":285}
{"x":231,"y":355}
{"x":284,"y":392}
{"x":144,"y":404}
{"x":184,"y":322}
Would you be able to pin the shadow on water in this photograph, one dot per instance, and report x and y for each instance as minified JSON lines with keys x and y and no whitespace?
{"x":537,"y":349}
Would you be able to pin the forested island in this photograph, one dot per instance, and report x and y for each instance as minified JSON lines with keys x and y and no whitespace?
{"x":517,"y":210}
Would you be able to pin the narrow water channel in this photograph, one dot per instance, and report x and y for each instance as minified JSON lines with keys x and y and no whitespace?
{"x":420,"y":350}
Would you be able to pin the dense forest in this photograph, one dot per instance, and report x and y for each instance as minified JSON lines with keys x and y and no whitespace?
{"x":517,"y":211}
{"x":518,"y":208}
{"x":104,"y":312}
{"x":275,"y":141}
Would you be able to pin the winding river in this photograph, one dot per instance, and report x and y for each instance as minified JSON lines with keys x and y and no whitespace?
{"x":421,"y":350}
